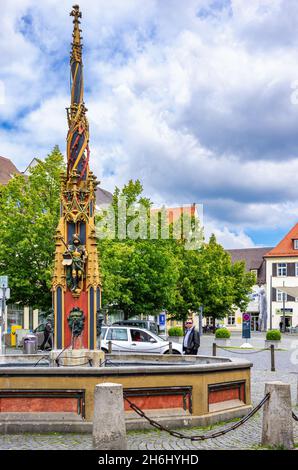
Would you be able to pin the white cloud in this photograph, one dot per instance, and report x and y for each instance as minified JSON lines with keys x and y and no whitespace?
{"x":227,"y":238}
{"x":193,"y":100}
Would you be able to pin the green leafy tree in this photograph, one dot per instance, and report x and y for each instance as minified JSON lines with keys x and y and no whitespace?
{"x":224,"y":286}
{"x":208,"y":278}
{"x":139,"y":275}
{"x":29,"y":213}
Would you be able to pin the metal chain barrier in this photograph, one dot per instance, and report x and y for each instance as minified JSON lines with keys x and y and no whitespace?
{"x":108,"y":361}
{"x":42,"y":357}
{"x":238,"y":352}
{"x":77,"y":365}
{"x":200,"y":437}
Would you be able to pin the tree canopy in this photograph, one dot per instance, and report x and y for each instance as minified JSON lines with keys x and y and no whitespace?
{"x":29,"y":212}
{"x":141,"y":274}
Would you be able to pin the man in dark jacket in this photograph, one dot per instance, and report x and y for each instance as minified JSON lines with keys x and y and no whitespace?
{"x":191,"y":340}
{"x":48,"y":330}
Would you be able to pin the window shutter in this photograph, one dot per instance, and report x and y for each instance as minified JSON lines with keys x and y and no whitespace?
{"x":273,"y":294}
{"x":274,"y":269}
{"x":291,"y":269}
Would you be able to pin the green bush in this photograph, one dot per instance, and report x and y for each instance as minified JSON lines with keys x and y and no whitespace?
{"x":222,"y":333}
{"x":273,"y":335}
{"x":175,"y":331}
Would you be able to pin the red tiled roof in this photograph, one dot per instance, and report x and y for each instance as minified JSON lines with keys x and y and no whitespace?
{"x":285,"y":247}
{"x":174,"y":213}
{"x":7,"y":170}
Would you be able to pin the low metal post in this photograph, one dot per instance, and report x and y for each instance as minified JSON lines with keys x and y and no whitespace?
{"x":170,"y":347}
{"x":214,"y":349}
{"x":110,"y":347}
{"x":272,"y":358}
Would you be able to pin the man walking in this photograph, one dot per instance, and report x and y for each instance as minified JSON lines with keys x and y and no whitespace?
{"x":47,"y":335}
{"x":191,"y":340}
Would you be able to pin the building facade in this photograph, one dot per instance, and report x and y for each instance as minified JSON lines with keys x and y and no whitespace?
{"x":282,"y":281}
{"x":254,"y":263}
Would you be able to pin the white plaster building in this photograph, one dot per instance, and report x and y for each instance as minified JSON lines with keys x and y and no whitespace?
{"x":282,"y":280}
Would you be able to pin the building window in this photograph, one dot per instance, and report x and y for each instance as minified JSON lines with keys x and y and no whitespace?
{"x":296,"y":269}
{"x":282,"y":269}
{"x":279,"y":296}
{"x":296,"y":244}
{"x":231,"y":320}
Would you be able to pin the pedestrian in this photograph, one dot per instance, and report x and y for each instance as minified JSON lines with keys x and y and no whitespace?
{"x":191,"y":340}
{"x":280,"y":325}
{"x":48,"y":329}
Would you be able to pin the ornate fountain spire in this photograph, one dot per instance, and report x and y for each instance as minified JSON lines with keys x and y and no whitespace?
{"x":76,"y":52}
{"x":78,"y":134}
{"x":76,"y":281}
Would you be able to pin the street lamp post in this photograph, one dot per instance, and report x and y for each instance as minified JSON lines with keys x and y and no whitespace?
{"x":270,"y":306}
{"x":284,"y":310}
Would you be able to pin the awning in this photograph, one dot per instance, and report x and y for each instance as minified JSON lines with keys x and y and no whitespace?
{"x":293,"y":291}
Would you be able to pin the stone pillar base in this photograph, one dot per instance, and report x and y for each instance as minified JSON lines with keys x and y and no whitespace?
{"x":277,"y":416}
{"x":109,"y":431}
{"x":76,"y":357}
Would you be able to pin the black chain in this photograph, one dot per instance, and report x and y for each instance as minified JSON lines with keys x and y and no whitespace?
{"x":238,"y":352}
{"x":295,"y":417}
{"x":42,"y":357}
{"x":77,"y":365}
{"x":108,"y":361}
{"x":200,"y":437}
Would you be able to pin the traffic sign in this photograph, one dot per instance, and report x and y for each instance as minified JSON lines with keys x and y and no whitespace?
{"x":4,"y":282}
{"x":246,"y":325}
{"x":162,"y":321}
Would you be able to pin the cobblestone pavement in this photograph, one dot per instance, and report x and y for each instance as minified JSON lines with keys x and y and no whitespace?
{"x":247,"y":436}
{"x":286,"y":358}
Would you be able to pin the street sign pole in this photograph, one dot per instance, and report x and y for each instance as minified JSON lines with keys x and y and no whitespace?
{"x":201,"y":320}
{"x":5,"y":290}
{"x":246,"y":329}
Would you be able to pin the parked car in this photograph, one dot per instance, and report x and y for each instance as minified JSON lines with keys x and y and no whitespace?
{"x":129,"y":339}
{"x":146,"y":324}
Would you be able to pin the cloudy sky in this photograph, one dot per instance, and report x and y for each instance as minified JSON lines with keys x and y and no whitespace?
{"x":196,"y":98}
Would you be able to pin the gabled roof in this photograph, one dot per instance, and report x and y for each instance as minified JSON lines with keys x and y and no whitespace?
{"x":103,"y":197}
{"x":253,"y":257}
{"x":286,"y":246}
{"x":7,"y":170}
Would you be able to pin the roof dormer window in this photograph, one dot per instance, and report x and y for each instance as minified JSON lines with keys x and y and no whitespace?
{"x":295,"y":244}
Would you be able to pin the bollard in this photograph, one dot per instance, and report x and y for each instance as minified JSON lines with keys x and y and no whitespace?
{"x":109,"y":432}
{"x":170,"y":347}
{"x":272,"y":358}
{"x":277,"y":428}
{"x":214,"y":349}
{"x":110,"y":347}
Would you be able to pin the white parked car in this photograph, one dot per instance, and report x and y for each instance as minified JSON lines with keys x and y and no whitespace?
{"x":135,"y":340}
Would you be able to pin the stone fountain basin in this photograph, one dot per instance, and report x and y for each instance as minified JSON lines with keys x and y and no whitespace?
{"x":178,"y":391}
